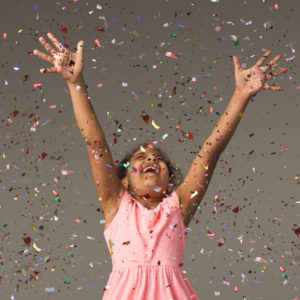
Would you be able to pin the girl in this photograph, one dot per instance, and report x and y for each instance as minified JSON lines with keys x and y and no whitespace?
{"x":146,"y":210}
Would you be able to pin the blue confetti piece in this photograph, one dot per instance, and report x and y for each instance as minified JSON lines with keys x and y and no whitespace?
{"x":108,"y":165}
{"x":139,"y":18}
{"x":45,"y":123}
{"x":133,"y":93}
{"x":35,"y":7}
{"x":50,"y":289}
{"x":114,"y":19}
{"x":257,"y":281}
{"x":182,"y":26}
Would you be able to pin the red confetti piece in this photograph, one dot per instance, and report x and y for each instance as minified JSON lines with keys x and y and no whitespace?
{"x":146,"y":118}
{"x":44,"y":155}
{"x":16,"y":112}
{"x":236,"y":210}
{"x":25,"y":77}
{"x":27,"y":241}
{"x":297,"y":231}
{"x":156,"y":219}
{"x":65,"y":30}
{"x":36,"y":85}
{"x":210,"y":234}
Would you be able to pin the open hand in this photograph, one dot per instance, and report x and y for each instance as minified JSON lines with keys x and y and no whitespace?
{"x":254,"y":79}
{"x":68,"y":64}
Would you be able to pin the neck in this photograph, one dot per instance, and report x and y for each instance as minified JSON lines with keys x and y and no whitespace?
{"x":146,"y":200}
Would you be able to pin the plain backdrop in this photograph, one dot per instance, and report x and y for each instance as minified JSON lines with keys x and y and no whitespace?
{"x":51,"y":222}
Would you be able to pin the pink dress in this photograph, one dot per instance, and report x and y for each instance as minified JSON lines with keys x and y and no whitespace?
{"x":147,"y":247}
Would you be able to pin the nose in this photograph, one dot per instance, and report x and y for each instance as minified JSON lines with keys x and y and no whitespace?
{"x":153,"y":158}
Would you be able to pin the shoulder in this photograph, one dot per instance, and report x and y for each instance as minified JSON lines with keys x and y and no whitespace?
{"x":174,"y":196}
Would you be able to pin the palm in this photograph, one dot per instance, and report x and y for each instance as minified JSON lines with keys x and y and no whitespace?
{"x":254,"y":79}
{"x":68,"y":64}
{"x":251,"y":80}
{"x":64,"y":62}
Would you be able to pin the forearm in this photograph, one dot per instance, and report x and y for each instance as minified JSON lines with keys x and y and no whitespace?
{"x":227,"y":124}
{"x":84,"y":112}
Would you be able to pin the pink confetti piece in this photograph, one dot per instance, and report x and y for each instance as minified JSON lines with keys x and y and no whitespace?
{"x":171,"y":54}
{"x":97,"y":43}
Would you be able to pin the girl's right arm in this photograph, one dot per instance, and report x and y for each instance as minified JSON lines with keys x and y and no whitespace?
{"x":108,"y":185}
{"x":70,"y":66}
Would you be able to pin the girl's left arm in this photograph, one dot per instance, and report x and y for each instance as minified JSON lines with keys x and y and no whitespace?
{"x":247,"y":84}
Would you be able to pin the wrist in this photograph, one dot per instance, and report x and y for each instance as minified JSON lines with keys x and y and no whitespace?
{"x":79,"y":80}
{"x":245,"y":95}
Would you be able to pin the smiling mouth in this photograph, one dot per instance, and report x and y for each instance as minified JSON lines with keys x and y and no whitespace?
{"x":150,"y":170}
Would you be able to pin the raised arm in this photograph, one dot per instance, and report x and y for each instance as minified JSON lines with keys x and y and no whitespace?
{"x":108,"y":185}
{"x":70,"y":67}
{"x":248,"y":83}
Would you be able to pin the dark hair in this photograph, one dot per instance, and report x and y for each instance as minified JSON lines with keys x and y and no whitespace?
{"x":175,"y":175}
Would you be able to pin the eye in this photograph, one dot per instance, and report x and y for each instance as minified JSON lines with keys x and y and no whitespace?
{"x":141,"y":156}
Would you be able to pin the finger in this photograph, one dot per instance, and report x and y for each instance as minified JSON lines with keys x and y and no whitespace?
{"x":79,"y":52}
{"x":57,"y":44}
{"x":272,"y":62}
{"x":43,"y":56}
{"x":263,"y":59}
{"x":272,"y":87}
{"x":49,"y":70}
{"x":236,"y":61}
{"x":281,"y":71}
{"x":46,"y":45}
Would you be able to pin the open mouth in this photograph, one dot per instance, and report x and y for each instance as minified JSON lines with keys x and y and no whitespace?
{"x":150,"y":170}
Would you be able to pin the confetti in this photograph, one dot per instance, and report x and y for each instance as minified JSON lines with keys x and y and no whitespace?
{"x":154,"y":125}
{"x":36,"y":248}
{"x":170,"y":54}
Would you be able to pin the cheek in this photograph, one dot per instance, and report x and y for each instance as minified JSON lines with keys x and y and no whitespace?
{"x":134,"y":169}
{"x":165,"y":170}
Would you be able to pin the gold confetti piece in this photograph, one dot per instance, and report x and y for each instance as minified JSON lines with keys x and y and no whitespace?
{"x":154,"y":125}
{"x":142,"y":149}
{"x":36,"y":248}
{"x":111,"y":248}
{"x":21,"y":30}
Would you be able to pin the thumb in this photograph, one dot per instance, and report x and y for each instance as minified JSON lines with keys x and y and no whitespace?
{"x":79,"y":51}
{"x":237,"y":65}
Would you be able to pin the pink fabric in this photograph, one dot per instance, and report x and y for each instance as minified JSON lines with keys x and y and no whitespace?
{"x":147,"y":248}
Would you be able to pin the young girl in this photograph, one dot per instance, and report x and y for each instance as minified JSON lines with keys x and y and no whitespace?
{"x":146,"y":210}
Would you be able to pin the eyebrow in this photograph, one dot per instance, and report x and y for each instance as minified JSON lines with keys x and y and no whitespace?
{"x":136,"y":155}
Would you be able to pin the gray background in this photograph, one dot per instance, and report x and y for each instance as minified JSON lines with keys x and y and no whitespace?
{"x":263,"y":154}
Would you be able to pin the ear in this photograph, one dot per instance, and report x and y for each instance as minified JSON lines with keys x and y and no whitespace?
{"x":170,"y":187}
{"x":125,"y":182}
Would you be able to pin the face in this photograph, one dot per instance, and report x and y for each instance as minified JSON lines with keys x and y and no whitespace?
{"x":148,"y":175}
